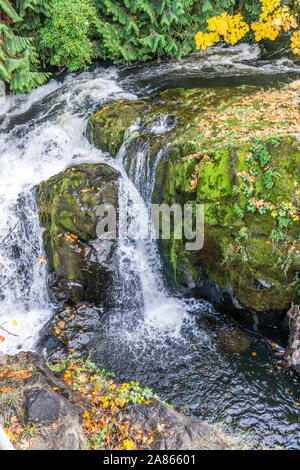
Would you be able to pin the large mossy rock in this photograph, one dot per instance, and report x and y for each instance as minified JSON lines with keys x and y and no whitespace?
{"x":42,"y":408}
{"x":236,"y":151}
{"x":81,"y":265}
{"x":251,"y":259}
{"x":42,"y":404}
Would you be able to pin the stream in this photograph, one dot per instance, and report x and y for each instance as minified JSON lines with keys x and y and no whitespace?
{"x":176,"y":346}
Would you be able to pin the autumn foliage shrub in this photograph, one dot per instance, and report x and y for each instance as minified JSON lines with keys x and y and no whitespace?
{"x":273,"y":19}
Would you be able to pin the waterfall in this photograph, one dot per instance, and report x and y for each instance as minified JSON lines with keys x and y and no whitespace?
{"x":166,"y":342}
{"x":43,"y":133}
{"x":40,"y":135}
{"x":138,"y":253}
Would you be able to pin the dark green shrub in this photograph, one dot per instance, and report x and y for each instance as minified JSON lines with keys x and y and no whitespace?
{"x":19,"y":62}
{"x":142,"y":29}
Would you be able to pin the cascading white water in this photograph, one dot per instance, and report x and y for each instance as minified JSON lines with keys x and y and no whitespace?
{"x":160,"y":310}
{"x":32,"y":150}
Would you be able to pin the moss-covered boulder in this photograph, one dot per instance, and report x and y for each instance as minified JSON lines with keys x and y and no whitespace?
{"x":107,"y":128}
{"x":251,"y":224}
{"x":80,"y":264}
{"x":236,"y":151}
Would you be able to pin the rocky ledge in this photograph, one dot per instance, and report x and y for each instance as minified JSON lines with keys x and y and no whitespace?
{"x":235,"y":150}
{"x":72,"y":405}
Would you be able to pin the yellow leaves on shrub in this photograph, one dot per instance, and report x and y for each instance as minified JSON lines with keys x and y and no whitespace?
{"x":218,"y":24}
{"x":271,"y":21}
{"x":205,"y":40}
{"x":233,"y":28}
{"x":236,"y":30}
{"x":295,"y":42}
{"x":268,"y":6}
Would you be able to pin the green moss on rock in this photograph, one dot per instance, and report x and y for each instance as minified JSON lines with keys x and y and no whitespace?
{"x":251,"y":207}
{"x":79,"y":263}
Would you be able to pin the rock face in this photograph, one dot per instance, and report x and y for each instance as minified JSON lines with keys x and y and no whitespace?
{"x":178,"y":432}
{"x":80,"y":264}
{"x":71,"y":328}
{"x":54,"y":420}
{"x":236,"y":152}
{"x":249,"y":261}
{"x":40,"y":412}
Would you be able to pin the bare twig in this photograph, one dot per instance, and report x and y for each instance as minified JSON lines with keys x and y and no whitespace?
{"x":9,"y":234}
{"x":6,"y":331}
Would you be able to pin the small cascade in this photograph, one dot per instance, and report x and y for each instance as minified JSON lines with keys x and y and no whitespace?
{"x":138,"y":254}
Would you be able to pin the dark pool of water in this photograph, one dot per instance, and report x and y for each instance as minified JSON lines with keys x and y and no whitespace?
{"x":200,"y":373}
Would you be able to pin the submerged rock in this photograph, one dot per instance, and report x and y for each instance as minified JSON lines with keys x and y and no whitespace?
{"x":234,"y":341}
{"x":81,"y":265}
{"x":236,"y":151}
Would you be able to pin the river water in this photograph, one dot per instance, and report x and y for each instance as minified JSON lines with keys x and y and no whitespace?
{"x":172,"y":344}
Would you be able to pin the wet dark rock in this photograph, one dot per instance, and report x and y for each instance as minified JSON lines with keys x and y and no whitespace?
{"x":72,"y":328}
{"x":174,"y":431}
{"x":234,"y":341}
{"x":278,"y":49}
{"x":81,"y":266}
{"x":43,"y":406}
{"x":292,"y":354}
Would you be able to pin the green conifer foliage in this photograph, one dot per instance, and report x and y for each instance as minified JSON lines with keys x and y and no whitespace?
{"x":19,"y":60}
{"x":142,"y":29}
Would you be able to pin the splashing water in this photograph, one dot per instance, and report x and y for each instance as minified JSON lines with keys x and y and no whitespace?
{"x":41,"y":135}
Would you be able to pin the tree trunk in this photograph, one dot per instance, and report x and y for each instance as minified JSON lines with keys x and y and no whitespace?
{"x":292,"y":353}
